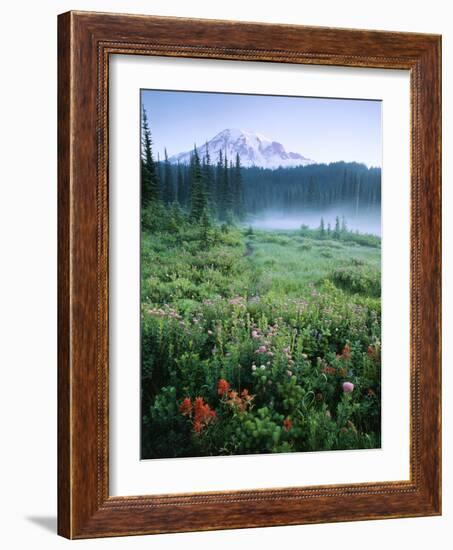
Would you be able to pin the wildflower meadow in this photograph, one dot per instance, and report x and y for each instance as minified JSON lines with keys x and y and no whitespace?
{"x":257,"y":341}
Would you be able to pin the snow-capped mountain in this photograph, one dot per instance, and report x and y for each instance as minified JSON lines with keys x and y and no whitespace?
{"x":253,"y":149}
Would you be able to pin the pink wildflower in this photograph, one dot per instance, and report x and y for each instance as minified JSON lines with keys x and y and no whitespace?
{"x":348,"y":387}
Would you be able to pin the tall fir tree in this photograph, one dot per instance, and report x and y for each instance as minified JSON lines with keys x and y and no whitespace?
{"x":168,"y":187}
{"x":209,"y":180}
{"x":180,"y":189}
{"x":238,"y":190}
{"x":337,"y":230}
{"x":226,"y":196}
{"x":227,"y":190}
{"x":160,"y":175}
{"x":220,"y":199}
{"x":198,"y":200}
{"x":149,"y":175}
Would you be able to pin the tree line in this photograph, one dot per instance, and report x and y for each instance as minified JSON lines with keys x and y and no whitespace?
{"x":315,"y":186}
{"x":224,"y":190}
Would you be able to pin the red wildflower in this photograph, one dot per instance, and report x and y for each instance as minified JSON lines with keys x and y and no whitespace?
{"x":328,"y":370}
{"x":241,"y":402}
{"x":197,"y":426}
{"x":287,"y":424}
{"x":186,"y":406}
{"x":223,"y":387}
{"x":346,"y":353}
{"x":233,"y":396}
{"x":373,"y":352}
{"x":203,"y":414}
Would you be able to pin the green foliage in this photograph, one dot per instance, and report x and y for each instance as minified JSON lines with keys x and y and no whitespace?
{"x":283,"y":324}
{"x":342,"y":233}
{"x":358,"y":278}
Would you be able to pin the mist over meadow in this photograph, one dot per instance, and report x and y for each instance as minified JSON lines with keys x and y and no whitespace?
{"x":367,"y":220}
{"x":288,"y":198}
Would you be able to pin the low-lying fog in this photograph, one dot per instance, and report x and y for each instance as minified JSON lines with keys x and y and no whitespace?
{"x":368,"y":221}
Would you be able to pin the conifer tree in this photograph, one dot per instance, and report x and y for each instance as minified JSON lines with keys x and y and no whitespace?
{"x":238,"y":191}
{"x":198,"y":199}
{"x":160,"y":175}
{"x":180,"y":191}
{"x":227,"y":188}
{"x":336,"y":233}
{"x":322,"y":229}
{"x":168,"y":188}
{"x":205,"y":224}
{"x":208,"y":179}
{"x":149,"y":176}
{"x":219,"y":187}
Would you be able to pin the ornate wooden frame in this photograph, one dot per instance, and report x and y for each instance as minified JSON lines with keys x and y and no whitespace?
{"x":85,"y":41}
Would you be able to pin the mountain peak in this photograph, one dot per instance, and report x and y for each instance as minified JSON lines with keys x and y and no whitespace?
{"x":253,"y":148}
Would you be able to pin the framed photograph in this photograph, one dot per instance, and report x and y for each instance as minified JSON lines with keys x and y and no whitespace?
{"x":249,"y":275}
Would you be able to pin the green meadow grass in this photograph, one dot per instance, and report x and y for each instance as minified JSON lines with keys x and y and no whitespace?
{"x":288,"y":263}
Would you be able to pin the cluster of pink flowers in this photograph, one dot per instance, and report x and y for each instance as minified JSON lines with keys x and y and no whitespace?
{"x":165,"y":311}
{"x":237,"y":301}
{"x":197,"y":318}
{"x":288,"y":356}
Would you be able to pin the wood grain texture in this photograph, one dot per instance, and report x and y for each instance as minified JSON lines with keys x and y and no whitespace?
{"x":85,"y":42}
{"x":64,"y":368}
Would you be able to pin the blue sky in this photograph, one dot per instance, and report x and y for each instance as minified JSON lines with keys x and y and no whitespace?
{"x":325,"y":130}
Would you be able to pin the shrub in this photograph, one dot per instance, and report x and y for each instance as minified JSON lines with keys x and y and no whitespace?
{"x":358,"y":279}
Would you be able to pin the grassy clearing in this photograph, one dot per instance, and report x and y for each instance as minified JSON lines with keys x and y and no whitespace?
{"x":288,"y":263}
